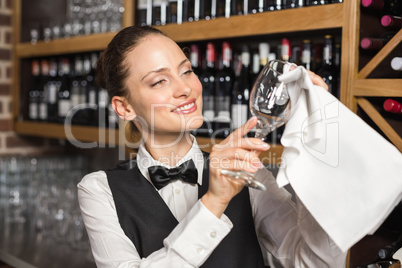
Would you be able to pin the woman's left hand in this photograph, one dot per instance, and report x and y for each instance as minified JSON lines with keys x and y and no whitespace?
{"x":317,"y":80}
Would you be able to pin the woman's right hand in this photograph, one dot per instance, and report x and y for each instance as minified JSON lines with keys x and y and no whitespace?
{"x":234,"y":153}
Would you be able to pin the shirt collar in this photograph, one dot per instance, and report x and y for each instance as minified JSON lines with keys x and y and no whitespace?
{"x":145,"y":160}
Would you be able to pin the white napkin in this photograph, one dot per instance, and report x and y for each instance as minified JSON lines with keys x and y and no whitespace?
{"x":346,"y":174}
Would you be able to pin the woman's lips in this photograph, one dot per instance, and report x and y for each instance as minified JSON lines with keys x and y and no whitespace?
{"x":186,"y":107}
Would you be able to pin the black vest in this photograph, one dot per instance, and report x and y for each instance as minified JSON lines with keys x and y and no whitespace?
{"x":147,"y":220}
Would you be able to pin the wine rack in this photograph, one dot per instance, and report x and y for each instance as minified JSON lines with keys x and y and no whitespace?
{"x":355,"y":84}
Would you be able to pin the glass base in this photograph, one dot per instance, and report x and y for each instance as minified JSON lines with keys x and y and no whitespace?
{"x":244,"y":178}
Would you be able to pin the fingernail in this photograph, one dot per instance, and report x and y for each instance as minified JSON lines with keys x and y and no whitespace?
{"x":257,"y":165}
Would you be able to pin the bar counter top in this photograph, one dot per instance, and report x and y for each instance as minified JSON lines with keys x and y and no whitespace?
{"x":22,"y":247}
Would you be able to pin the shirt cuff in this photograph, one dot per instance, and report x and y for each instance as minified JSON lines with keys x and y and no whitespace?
{"x":198,"y":234}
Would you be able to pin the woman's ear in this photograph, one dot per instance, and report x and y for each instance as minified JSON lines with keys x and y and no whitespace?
{"x":123,"y":109}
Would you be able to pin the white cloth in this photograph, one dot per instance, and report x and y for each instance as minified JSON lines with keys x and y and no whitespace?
{"x":346,"y":174}
{"x":287,"y":231}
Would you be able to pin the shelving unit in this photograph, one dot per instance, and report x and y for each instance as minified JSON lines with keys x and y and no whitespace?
{"x":355,"y":89}
{"x":345,"y":16}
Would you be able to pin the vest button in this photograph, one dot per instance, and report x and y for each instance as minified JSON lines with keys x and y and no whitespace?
{"x":177,"y":191}
{"x":200,"y":251}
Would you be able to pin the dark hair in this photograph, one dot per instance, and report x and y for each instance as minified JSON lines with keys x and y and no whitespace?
{"x":112,"y":69}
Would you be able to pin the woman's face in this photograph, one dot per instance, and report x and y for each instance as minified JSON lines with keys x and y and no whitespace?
{"x":163,"y":89}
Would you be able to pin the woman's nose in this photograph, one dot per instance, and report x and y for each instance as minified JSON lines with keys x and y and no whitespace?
{"x":181,"y":88}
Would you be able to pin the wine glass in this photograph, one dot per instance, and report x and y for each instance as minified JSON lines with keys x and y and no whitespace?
{"x":270,"y":103}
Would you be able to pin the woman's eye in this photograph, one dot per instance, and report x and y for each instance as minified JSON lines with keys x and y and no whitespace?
{"x":160,"y":82}
{"x":188,"y":71}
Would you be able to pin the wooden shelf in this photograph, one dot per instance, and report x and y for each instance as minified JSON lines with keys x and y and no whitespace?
{"x":303,"y":19}
{"x":64,"y":46}
{"x":377,"y":87}
{"x":300,"y":19}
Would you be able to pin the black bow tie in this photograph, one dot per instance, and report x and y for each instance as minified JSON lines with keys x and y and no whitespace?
{"x":161,"y":176}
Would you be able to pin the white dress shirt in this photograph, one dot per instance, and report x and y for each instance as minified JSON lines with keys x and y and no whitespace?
{"x":284,"y":229}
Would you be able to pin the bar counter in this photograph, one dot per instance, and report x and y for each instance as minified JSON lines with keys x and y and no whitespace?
{"x":22,"y":247}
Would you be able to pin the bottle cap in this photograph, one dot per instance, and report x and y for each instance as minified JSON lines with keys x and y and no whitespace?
{"x":396,"y":63}
{"x":392,"y":106}
{"x":386,"y":21}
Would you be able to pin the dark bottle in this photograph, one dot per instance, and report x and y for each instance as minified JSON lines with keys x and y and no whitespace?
{"x":317,"y":57}
{"x":285,"y":49}
{"x":43,"y":90}
{"x":157,"y":12}
{"x":208,"y":82}
{"x":391,"y":7}
{"x":272,"y":5}
{"x":206,"y":9}
{"x":306,"y":54}
{"x":391,"y":22}
{"x":392,"y":106}
{"x":223,"y":93}
{"x":316,"y":2}
{"x":33,"y":106}
{"x":141,"y":13}
{"x":237,"y":7}
{"x":64,"y":93}
{"x":292,"y":4}
{"x":241,"y":92}
{"x":376,"y":43}
{"x":328,"y":70}
{"x":195,"y":59}
{"x":75,"y":90}
{"x":171,"y":16}
{"x":91,"y":89}
{"x":256,"y":6}
{"x":52,"y":89}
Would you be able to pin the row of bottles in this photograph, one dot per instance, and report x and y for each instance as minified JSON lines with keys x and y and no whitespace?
{"x":160,"y":12}
{"x":64,"y":90}
{"x":227,"y":80}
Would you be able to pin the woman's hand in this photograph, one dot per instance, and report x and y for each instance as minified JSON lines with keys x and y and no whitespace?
{"x":317,"y":80}
{"x":233,"y":153}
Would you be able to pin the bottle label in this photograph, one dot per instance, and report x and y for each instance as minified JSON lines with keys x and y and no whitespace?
{"x":92,"y":97}
{"x":75,"y":100}
{"x":43,"y":111}
{"x":33,"y":110}
{"x":239,"y":115}
{"x":306,"y":56}
{"x":52,"y":93}
{"x":64,"y":107}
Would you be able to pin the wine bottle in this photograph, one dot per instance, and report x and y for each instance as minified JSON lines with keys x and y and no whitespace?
{"x":272,"y":5}
{"x":208,"y":82}
{"x":392,"y":106}
{"x":172,"y":11}
{"x":92,"y":90}
{"x":391,"y":22}
{"x":285,"y":49}
{"x":43,"y":90}
{"x":396,"y":63}
{"x":391,"y":7}
{"x":223,"y":93}
{"x":376,"y":43}
{"x":292,"y":3}
{"x":255,"y":69}
{"x":52,"y":90}
{"x":263,"y":49}
{"x":205,"y":9}
{"x":75,"y":90}
{"x":33,"y":110}
{"x":237,"y":7}
{"x":195,"y":57}
{"x":241,"y":94}
{"x":189,"y":10}
{"x":64,"y":94}
{"x":103,"y":112}
{"x":157,"y":12}
{"x":328,"y":70}
{"x":256,"y":6}
{"x":306,"y":54}
{"x":141,"y":12}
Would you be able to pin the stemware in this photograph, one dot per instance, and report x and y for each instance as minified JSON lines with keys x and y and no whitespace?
{"x":270,"y":103}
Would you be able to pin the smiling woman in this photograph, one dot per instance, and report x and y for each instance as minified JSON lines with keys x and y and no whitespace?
{"x":171,"y":207}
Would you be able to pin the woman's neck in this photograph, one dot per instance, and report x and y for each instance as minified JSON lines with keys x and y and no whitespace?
{"x":169,"y":149}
